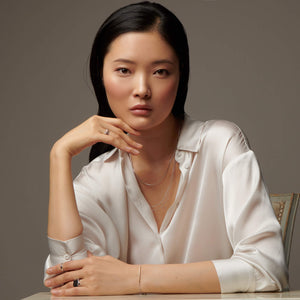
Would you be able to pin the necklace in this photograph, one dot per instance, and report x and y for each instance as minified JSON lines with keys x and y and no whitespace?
{"x":165,"y":175}
{"x":157,"y":205}
{"x":159,"y":181}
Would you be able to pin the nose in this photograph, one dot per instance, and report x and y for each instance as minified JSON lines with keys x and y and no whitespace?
{"x":142,"y":87}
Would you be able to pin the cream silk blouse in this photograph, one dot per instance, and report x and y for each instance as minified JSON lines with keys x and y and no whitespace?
{"x":222,"y":212}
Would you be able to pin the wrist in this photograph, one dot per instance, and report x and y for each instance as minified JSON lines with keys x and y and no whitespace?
{"x":58,"y":151}
{"x":132,"y":284}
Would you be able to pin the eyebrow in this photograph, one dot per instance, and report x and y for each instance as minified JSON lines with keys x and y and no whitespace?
{"x":156,"y":62}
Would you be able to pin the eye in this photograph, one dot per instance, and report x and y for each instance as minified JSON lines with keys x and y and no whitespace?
{"x":162,"y":72}
{"x":123,"y":71}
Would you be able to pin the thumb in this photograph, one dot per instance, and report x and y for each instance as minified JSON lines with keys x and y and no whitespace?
{"x":89,"y":254}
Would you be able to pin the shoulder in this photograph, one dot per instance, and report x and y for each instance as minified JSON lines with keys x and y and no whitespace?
{"x":223,"y":132}
{"x":223,"y":128}
{"x":212,"y":133}
{"x":223,"y":139}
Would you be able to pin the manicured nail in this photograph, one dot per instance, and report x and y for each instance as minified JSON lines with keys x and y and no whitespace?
{"x":48,"y":282}
{"x":139,"y":145}
{"x":50,"y":270}
{"x":137,"y":132}
{"x":135,"y":151}
{"x":56,"y":292}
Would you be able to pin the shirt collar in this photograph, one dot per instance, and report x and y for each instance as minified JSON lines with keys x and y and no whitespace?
{"x":190,"y":136}
{"x":109,"y":154}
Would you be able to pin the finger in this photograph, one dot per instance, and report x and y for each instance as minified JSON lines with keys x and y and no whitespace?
{"x":72,"y":291}
{"x":106,"y":126}
{"x":70,"y":284}
{"x":131,"y":142}
{"x":62,"y":279}
{"x":117,"y":140}
{"x":57,"y":269}
{"x":113,"y":130}
{"x":119,"y":143}
{"x":124,"y":126}
{"x":64,"y":267}
{"x":73,"y":265}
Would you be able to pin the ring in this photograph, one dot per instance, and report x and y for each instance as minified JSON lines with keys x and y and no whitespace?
{"x":76,"y":283}
{"x":106,"y":132}
{"x":61,"y":267}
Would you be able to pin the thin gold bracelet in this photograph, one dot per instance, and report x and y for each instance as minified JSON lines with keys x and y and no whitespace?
{"x":140,"y":277}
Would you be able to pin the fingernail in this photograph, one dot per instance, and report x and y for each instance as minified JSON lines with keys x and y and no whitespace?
{"x":134,"y":151}
{"x":137,"y":132}
{"x":56,"y":292}
{"x":50,"y":270}
{"x":47,"y":282}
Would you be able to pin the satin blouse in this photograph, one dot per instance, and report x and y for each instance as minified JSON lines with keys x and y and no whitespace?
{"x":222,"y":212}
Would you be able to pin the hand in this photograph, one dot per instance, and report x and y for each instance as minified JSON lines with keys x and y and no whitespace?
{"x":97,"y":276}
{"x":92,"y":131}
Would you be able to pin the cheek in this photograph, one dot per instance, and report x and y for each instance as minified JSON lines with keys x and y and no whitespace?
{"x":168,"y":92}
{"x":115,"y":89}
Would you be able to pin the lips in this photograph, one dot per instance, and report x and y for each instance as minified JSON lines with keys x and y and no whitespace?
{"x":141,"y":110}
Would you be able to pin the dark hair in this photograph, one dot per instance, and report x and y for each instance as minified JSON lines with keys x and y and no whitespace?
{"x":138,"y":17}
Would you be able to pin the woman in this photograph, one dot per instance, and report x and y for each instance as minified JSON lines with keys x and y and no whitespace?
{"x":167,"y":204}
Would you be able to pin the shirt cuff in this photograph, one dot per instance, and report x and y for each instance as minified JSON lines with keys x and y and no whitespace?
{"x":235,"y":275}
{"x":62,"y":251}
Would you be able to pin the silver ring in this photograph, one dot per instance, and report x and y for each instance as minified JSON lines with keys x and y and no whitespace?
{"x":76,"y":283}
{"x":106,"y":132}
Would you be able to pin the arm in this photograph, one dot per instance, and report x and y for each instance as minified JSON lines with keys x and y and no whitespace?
{"x":253,"y":230}
{"x":112,"y":277}
{"x":64,"y":222}
{"x":65,"y":225}
{"x":199,"y":277}
{"x":257,"y":263}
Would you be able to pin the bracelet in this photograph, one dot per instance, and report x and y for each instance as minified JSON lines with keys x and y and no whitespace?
{"x":140,"y":277}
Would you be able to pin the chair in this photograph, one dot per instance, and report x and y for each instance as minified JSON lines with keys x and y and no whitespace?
{"x":285,"y":207}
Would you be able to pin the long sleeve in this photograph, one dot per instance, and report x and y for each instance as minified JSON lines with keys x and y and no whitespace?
{"x":63,"y":251}
{"x":257,"y":263}
{"x":100,"y":234}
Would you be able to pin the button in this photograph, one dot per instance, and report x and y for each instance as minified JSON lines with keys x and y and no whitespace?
{"x":67,"y":256}
{"x":179,"y":154}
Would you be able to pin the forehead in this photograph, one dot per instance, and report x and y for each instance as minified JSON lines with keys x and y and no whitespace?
{"x":140,"y":46}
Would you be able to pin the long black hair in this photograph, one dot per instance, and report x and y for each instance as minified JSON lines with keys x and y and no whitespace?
{"x":138,"y":17}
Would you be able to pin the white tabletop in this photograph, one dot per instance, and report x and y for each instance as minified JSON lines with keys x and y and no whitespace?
{"x":269,"y":296}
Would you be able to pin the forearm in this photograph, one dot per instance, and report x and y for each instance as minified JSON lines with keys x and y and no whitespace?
{"x":200,"y":277}
{"x":63,"y":219}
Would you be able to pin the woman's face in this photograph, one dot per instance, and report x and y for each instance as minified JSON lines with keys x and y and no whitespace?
{"x":141,"y":76}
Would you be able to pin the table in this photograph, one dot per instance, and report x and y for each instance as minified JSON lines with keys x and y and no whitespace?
{"x":268,"y":296}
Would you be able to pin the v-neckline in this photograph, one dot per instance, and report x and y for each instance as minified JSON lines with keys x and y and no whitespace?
{"x":139,"y":200}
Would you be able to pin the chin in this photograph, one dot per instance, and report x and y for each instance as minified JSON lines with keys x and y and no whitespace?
{"x":146,"y":126}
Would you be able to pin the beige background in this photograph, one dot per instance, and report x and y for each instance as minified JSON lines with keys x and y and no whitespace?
{"x":244,"y":68}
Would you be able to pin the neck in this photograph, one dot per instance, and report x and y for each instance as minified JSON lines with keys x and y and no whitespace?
{"x":159,"y":142}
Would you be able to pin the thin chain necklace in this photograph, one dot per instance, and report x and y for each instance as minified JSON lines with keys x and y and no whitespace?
{"x":159,"y":204}
{"x":159,"y":181}
{"x":167,"y":170}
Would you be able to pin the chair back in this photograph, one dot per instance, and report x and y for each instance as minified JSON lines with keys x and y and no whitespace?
{"x":285,"y":208}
